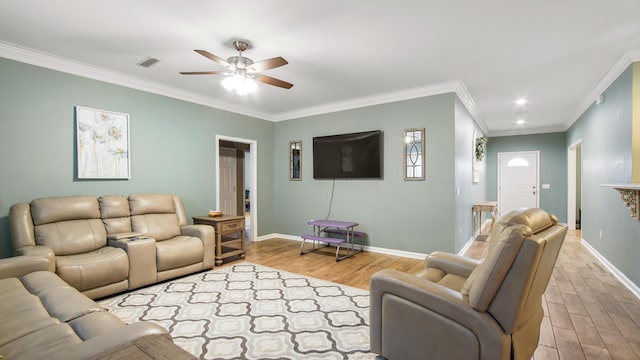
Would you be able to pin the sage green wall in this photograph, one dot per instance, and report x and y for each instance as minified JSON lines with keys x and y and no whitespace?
{"x":605,"y":131}
{"x":415,"y":216}
{"x":172,"y":143}
{"x":469,"y":192}
{"x":553,"y":167}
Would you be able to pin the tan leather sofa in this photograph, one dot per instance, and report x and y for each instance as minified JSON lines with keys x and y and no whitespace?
{"x":458,"y":308}
{"x":45,"y":318}
{"x":85,"y":240}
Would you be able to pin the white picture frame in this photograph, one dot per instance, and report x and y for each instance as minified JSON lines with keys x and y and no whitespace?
{"x":102,"y":144}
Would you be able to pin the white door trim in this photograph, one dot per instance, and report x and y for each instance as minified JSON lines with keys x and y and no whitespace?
{"x":538,"y":189}
{"x":253,"y":187}
{"x":572,"y":159}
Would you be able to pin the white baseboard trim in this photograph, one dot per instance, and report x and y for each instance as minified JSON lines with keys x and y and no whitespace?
{"x":635,"y":290}
{"x":402,"y":253}
{"x":470,"y":241}
{"x":466,"y":247}
{"x":374,"y":249}
{"x":279,"y":236}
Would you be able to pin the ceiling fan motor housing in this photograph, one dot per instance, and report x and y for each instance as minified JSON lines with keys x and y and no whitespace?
{"x":241,"y":45}
{"x":240,"y":62}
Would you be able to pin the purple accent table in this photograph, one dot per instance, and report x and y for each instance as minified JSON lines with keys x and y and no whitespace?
{"x":333,"y":227}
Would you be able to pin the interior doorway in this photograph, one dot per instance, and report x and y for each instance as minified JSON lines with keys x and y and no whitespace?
{"x":574,"y":185}
{"x":518,"y":180}
{"x":245,"y":182}
{"x":229,"y":185}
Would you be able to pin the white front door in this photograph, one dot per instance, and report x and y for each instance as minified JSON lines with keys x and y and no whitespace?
{"x":517,"y":180}
{"x":228,"y":194}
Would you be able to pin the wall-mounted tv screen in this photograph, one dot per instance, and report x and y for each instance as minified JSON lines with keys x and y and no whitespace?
{"x":348,"y":156}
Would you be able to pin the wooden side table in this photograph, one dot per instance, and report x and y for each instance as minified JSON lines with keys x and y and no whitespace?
{"x":229,"y":235}
{"x":477,"y":210}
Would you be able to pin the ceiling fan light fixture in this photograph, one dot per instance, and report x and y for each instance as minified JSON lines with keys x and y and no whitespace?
{"x":240,"y":83}
{"x":242,"y":73}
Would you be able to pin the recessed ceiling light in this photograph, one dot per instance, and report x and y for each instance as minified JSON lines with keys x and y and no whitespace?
{"x":521,"y":101}
{"x":520,"y":121}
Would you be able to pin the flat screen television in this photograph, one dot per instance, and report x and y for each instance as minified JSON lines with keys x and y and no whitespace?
{"x":348,"y":156}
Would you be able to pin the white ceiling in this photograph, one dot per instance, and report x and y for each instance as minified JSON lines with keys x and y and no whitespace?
{"x":559,"y":54}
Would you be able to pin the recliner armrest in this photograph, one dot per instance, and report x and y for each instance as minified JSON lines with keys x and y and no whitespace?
{"x":409,"y":293}
{"x":450,"y":263}
{"x":21,"y":265}
{"x":41,"y":251}
{"x":102,"y":343}
{"x":422,"y":292}
{"x":206,"y":233}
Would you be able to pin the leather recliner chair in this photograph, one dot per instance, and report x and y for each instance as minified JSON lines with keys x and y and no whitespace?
{"x":180,"y":248}
{"x":69,"y":231}
{"x":458,"y":308}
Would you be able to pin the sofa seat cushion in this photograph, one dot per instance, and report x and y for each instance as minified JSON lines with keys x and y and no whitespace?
{"x":440,"y":277}
{"x":61,"y":300}
{"x":96,"y":324}
{"x":22,"y":313}
{"x":45,"y":340}
{"x":178,"y":252}
{"x":93,"y":269}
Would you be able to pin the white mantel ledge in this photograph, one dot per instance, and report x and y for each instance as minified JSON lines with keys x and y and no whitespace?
{"x":630,"y":195}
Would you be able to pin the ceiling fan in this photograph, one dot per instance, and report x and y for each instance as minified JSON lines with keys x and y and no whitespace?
{"x":241,"y":71}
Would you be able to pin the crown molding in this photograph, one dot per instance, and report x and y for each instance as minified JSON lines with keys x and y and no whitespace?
{"x":41,"y":59}
{"x":456,"y":86}
{"x":58,"y":63}
{"x":533,"y":131}
{"x":614,"y":71}
{"x":465,"y":96}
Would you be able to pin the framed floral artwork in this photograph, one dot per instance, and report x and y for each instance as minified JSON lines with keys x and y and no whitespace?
{"x":102,"y":144}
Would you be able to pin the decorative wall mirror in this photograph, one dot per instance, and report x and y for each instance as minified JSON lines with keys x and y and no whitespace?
{"x":413,"y":153}
{"x":295,"y":160}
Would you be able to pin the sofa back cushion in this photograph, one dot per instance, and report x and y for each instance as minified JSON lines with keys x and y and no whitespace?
{"x":509,"y":283}
{"x":115,"y":213}
{"x":154,"y":215}
{"x":486,"y":278}
{"x":68,"y":224}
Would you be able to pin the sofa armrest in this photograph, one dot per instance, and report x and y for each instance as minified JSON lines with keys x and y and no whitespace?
{"x":100,"y":344}
{"x":40,"y":251}
{"x":21,"y":265}
{"x":206,"y":233}
{"x":406,"y":307}
{"x":450,"y":263}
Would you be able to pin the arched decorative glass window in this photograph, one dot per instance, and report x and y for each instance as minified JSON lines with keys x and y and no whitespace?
{"x":413,"y":148}
{"x":518,"y":162}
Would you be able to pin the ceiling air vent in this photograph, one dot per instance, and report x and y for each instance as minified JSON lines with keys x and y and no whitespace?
{"x":148,"y":62}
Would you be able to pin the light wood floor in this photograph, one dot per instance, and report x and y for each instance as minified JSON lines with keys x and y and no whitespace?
{"x":588,"y":313}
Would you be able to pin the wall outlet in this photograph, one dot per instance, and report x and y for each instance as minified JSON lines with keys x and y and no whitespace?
{"x":600,"y":234}
{"x":460,"y":233}
{"x":457,"y":190}
{"x":546,"y":186}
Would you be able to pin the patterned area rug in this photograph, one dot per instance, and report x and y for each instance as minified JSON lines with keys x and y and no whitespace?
{"x":249,"y":311}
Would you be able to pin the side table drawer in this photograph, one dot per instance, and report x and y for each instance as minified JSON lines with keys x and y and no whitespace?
{"x":231,"y":226}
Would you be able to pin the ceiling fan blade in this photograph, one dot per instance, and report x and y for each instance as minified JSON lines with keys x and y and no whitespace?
{"x":210,"y":56}
{"x":202,"y":72}
{"x":273,"y":81}
{"x":267,"y":64}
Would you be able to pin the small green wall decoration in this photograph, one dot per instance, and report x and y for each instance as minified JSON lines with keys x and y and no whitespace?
{"x":481,"y":147}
